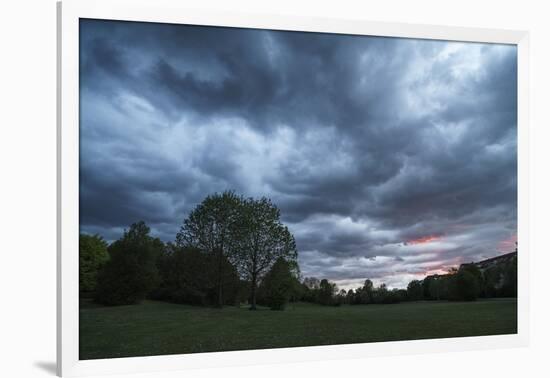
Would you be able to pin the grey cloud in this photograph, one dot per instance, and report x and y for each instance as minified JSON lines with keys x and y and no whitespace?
{"x":364,"y":143}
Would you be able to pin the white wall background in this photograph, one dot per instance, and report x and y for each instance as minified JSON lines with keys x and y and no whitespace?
{"x":27,"y":186}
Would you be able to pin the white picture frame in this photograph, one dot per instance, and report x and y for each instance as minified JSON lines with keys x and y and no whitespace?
{"x":170,"y":11}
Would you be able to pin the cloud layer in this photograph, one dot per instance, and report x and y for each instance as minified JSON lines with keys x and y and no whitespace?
{"x":389,"y":158}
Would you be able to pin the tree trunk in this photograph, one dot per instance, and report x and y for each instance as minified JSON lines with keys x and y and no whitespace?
{"x":254,"y":280}
{"x":253,"y":293}
{"x":220,"y":279}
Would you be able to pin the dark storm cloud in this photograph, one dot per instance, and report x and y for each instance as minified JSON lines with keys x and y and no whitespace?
{"x":365,"y":143}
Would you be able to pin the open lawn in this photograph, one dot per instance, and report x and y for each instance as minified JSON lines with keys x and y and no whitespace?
{"x":155,"y":328}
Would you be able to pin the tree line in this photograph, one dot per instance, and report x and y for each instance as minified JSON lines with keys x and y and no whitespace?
{"x":231,"y":250}
{"x":466,"y":283}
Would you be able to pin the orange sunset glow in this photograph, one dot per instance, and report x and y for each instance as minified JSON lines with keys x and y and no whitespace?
{"x":508,"y":244}
{"x":424,"y":239}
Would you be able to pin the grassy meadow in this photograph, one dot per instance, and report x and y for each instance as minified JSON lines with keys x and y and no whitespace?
{"x":157,"y":328}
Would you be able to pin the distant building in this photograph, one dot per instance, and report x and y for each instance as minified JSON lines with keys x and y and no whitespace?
{"x":498,"y":278}
{"x":494,"y":269}
{"x":495,"y":261}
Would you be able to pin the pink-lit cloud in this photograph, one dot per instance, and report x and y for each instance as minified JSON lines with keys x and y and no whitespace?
{"x":423,"y":239}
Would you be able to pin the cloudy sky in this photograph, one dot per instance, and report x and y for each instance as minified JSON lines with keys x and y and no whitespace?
{"x":389,"y":158}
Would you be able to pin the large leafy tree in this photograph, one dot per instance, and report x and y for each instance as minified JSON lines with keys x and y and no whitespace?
{"x":261,"y":239}
{"x":92,"y":256}
{"x":131,"y":272}
{"x":210,"y":228}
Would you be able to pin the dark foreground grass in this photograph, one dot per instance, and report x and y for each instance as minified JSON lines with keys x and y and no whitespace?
{"x":155,"y":328}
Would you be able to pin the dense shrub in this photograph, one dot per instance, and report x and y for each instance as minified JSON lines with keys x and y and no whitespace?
{"x":277,"y":286}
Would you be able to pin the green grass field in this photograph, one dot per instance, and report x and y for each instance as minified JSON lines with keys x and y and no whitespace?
{"x":155,"y":328}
